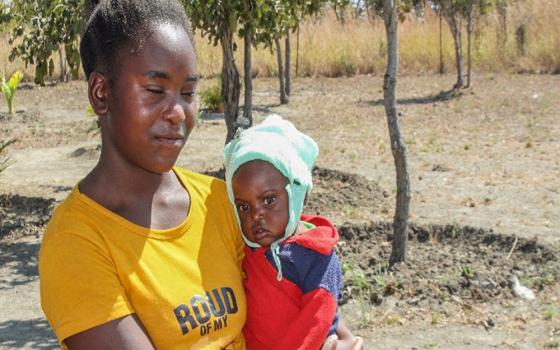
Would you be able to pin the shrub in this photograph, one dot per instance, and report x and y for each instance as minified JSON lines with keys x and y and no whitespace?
{"x":4,"y":160}
{"x":211,"y":97}
{"x":9,"y":89}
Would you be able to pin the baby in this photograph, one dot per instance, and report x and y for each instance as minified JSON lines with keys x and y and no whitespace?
{"x":293,"y":278}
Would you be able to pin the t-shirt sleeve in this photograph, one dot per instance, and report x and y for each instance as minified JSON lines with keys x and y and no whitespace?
{"x":80,"y":287}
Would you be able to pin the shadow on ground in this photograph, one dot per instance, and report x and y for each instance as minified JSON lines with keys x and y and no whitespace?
{"x":439,"y":97}
{"x":21,"y":259}
{"x":29,"y":334}
{"x":265,"y":108}
{"x":22,"y":222}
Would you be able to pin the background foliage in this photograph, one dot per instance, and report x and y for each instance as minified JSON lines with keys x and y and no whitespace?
{"x":329,"y":47}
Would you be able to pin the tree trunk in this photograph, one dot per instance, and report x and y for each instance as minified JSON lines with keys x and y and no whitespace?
{"x":248,"y":102}
{"x":297,"y":51}
{"x":283,"y":97}
{"x":469,"y":46}
{"x":62,"y":63}
{"x":501,"y":7}
{"x":456,"y":33}
{"x":398,"y":147}
{"x":441,"y":68}
{"x":288,"y":66}
{"x":230,"y":83}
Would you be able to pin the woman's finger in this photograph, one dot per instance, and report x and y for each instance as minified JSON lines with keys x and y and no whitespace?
{"x":358,"y":344}
{"x":330,"y":343}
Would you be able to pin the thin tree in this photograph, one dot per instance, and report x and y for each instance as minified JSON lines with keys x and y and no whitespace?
{"x":231,"y":87}
{"x":219,"y":21}
{"x":288,"y":63}
{"x":287,"y":18}
{"x":393,"y":11}
{"x":441,"y":66}
{"x":452,"y":19}
{"x":297,"y":51}
{"x":472,"y":10}
{"x":469,"y":14}
{"x":248,"y":33}
{"x":281,"y":76}
{"x":501,"y":33}
{"x":257,"y":22}
{"x":398,"y":147}
{"x":450,"y":10}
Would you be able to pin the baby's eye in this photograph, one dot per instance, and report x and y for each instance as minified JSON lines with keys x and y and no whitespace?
{"x":243,"y":207}
{"x":188,"y":93}
{"x":269,"y":200}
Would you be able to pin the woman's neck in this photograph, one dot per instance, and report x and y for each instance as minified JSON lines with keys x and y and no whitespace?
{"x":144,"y":198}
{"x":115,"y":183}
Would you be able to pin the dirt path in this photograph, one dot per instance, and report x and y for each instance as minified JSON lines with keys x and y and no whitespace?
{"x":489,"y":158}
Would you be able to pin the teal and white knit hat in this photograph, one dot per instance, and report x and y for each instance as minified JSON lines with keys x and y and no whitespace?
{"x":293,"y":153}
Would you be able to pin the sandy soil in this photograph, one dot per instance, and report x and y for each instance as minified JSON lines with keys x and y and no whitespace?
{"x":488,"y":158}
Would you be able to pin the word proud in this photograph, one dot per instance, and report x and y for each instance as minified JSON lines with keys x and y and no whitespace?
{"x":215,"y":304}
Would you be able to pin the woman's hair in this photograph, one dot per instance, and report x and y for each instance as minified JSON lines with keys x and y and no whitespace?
{"x":117,"y":24}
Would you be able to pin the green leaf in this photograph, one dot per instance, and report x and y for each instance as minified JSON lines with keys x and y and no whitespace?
{"x":15,"y":79}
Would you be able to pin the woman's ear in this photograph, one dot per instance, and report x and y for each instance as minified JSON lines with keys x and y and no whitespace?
{"x":98,"y":90}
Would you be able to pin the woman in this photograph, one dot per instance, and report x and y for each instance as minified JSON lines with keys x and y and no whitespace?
{"x":141,"y":254}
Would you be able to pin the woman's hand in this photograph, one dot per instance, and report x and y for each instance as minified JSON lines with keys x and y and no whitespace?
{"x":333,"y":343}
{"x":343,"y":340}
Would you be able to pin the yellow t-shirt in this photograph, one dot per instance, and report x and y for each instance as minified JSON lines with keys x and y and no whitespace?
{"x":184,"y":283}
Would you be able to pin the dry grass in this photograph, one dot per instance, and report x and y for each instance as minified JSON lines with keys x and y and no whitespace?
{"x":357,"y":46}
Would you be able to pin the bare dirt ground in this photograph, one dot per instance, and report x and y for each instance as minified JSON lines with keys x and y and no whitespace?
{"x":485,"y":203}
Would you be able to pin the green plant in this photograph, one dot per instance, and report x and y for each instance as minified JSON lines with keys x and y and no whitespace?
{"x":94,"y":125}
{"x":550,"y":313}
{"x":436,"y":319}
{"x":552,"y":344}
{"x":4,"y":161}
{"x":211,"y":97}
{"x":467,"y":272}
{"x":431,"y":345}
{"x":357,"y":282}
{"x":454,"y":230}
{"x":388,"y":282}
{"x":9,"y":89}
{"x":89,"y":111}
{"x":432,"y":146}
{"x":355,"y":277}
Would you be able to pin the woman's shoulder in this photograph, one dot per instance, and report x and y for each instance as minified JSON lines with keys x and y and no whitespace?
{"x":76,"y":216}
{"x":204,"y":184}
{"x":67,"y":213}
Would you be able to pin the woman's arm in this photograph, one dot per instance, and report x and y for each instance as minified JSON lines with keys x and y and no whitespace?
{"x":126,"y":333}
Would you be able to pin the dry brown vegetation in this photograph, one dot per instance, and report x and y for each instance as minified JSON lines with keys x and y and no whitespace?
{"x":357,"y":46}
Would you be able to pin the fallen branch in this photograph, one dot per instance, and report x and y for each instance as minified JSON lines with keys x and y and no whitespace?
{"x":512,"y":247}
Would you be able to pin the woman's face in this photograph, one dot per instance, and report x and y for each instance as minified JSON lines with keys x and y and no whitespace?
{"x":151,"y":101}
{"x":261,"y":201}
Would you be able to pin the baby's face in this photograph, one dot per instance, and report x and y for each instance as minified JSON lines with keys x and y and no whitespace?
{"x":261,"y":201}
